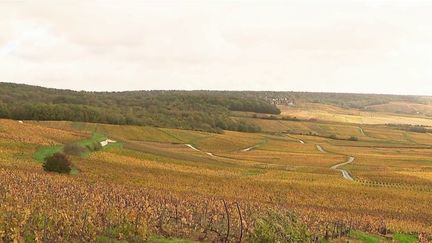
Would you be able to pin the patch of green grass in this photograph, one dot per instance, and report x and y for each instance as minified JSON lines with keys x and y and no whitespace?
{"x":366,"y":238}
{"x":74,"y":171}
{"x":45,"y":152}
{"x":408,"y":138}
{"x":106,"y":239}
{"x":160,"y":239}
{"x":404,"y":238}
{"x":116,"y":145}
{"x":95,"y":138}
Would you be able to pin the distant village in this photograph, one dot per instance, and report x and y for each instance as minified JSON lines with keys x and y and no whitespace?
{"x":281,"y":101}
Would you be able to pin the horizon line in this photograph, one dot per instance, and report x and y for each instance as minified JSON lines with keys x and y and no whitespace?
{"x":214,"y":90}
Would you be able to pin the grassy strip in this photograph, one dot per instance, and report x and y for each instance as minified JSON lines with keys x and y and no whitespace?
{"x":46,"y":151}
{"x":370,"y":238}
{"x":95,"y":138}
{"x":42,"y":153}
{"x":404,"y":238}
{"x":366,"y":238}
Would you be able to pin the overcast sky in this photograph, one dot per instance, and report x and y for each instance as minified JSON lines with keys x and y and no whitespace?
{"x":373,"y":46}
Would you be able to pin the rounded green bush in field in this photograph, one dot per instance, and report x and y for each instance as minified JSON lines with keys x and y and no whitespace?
{"x":58,"y":162}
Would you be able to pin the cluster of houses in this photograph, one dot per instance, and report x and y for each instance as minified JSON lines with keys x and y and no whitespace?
{"x":281,"y":101}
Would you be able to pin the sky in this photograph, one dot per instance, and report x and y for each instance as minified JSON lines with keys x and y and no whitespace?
{"x":360,"y":46}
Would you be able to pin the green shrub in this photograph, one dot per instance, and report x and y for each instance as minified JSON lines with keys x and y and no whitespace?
{"x":279,"y":227}
{"x":353,"y":138}
{"x":58,"y":162}
{"x":96,"y":146}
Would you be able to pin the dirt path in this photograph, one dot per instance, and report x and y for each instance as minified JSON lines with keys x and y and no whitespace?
{"x":106,"y":142}
{"x":192,"y":147}
{"x":362,"y":131}
{"x":298,"y":139}
{"x":346,"y":175}
{"x":250,"y":148}
{"x":320,"y":149}
{"x":265,"y":140}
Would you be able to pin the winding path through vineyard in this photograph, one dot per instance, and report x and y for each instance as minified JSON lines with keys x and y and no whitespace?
{"x":255,"y":146}
{"x":346,"y":175}
{"x":192,"y":147}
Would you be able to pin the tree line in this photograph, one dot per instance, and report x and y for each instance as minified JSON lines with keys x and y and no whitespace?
{"x":197,"y":110}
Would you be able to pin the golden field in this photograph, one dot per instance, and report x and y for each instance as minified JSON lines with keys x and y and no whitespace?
{"x":154,"y":183}
{"x":385,"y":115}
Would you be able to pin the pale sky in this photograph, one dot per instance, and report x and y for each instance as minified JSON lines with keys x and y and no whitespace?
{"x":368,"y":46}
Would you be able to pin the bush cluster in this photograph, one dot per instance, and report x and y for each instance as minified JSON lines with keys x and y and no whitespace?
{"x":96,"y":146}
{"x":59,"y":163}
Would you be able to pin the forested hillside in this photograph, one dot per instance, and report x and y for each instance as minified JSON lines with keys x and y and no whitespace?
{"x":197,"y":110}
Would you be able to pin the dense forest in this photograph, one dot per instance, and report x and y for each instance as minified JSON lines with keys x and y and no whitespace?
{"x":197,"y":110}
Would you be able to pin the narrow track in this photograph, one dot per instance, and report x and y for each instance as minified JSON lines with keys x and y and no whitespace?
{"x":320,"y":149}
{"x":362,"y":131}
{"x":250,"y":148}
{"x":192,"y":147}
{"x":345,"y":174}
{"x":106,"y":142}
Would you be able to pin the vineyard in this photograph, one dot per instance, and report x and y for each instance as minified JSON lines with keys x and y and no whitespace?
{"x":231,"y":187}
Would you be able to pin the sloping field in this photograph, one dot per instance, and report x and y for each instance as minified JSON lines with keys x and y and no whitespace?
{"x":306,"y":127}
{"x":403,"y":108}
{"x":395,"y":167}
{"x":156,"y":179}
{"x":337,"y":114}
{"x":133,"y":133}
